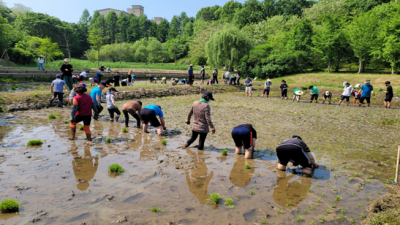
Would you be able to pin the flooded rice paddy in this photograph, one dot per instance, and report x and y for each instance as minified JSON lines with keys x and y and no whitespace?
{"x":68,"y":182}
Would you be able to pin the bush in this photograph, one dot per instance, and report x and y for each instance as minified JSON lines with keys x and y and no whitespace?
{"x":9,"y":205}
{"x":35,"y":142}
{"x":51,"y":116}
{"x":116,"y":168}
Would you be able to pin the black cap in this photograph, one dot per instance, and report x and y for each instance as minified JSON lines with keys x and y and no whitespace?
{"x":387,"y":82}
{"x":298,"y":137}
{"x":113,"y":89}
{"x":104,"y":84}
{"x":209,"y":94}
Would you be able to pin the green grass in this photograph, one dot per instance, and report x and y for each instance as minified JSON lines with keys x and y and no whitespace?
{"x":164,"y":142}
{"x":224,"y":152}
{"x":9,"y":205}
{"x":228,"y":201}
{"x":215,"y":198}
{"x":108,"y":140}
{"x":51,"y":116}
{"x":34,"y":142}
{"x":247,"y":166}
{"x":124,"y":130}
{"x":116,"y":168}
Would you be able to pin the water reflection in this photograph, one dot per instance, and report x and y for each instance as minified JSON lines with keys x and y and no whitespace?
{"x":84,"y":167}
{"x":198,"y":179}
{"x":291,"y":188}
{"x":240,"y":176}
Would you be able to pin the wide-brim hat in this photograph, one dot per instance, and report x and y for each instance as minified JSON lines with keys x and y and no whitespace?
{"x":66,"y":60}
{"x":268,"y":80}
{"x":368,"y":81}
{"x":41,"y":56}
{"x":299,"y":93}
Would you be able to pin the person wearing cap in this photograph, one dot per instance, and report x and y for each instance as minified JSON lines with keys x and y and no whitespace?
{"x":348,"y":89}
{"x":297,"y":93}
{"x":58,"y":86}
{"x":82,"y":108}
{"x":366,"y":90}
{"x":202,"y":74}
{"x":215,"y":75}
{"x":66,"y":70}
{"x":294,"y":150}
{"x":102,"y":68}
{"x":267,"y":88}
{"x":149,"y":115}
{"x":96,"y":96}
{"x":249,"y":85}
{"x":108,"y":82}
{"x":327,"y":95}
{"x":389,"y":95}
{"x":40,"y":62}
{"x":284,"y":87}
{"x":111,"y":106}
{"x":133,"y":108}
{"x":99,"y":75}
{"x":190,"y":75}
{"x":314,"y":93}
{"x":244,"y":137}
{"x":201,"y":113}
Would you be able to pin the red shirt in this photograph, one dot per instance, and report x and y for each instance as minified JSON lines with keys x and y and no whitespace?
{"x":84,"y":103}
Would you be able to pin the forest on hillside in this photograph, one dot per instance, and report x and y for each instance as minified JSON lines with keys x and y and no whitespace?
{"x":268,"y":38}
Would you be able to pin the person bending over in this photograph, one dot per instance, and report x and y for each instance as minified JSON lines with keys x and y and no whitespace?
{"x":149,"y":115}
{"x":267,"y":88}
{"x":297,"y":93}
{"x":294,"y":150}
{"x":111,"y":106}
{"x":96,"y":96}
{"x":134,"y":109}
{"x":245,"y":136}
{"x":314,"y":94}
{"x":82,"y":111}
{"x":327,"y":95}
{"x":202,"y":120}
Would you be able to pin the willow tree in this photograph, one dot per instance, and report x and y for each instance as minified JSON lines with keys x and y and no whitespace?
{"x":227,"y":46}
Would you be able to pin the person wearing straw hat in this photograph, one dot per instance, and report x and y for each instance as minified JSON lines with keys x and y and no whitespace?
{"x":389,"y":95}
{"x":366,"y":90}
{"x":297,"y":94}
{"x":267,"y":88}
{"x":348,"y":89}
{"x":66,"y":70}
{"x":40,"y":62}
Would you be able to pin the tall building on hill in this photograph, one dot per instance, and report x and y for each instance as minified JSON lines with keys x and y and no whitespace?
{"x":137,"y":10}
{"x":158,"y":19}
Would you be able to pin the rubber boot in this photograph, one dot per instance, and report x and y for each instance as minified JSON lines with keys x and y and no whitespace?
{"x":89,"y":137}
{"x":73,"y":131}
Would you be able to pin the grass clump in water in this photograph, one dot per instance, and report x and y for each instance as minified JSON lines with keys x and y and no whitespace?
{"x":116,"y":168}
{"x":51,"y":116}
{"x":224,"y":152}
{"x":164,"y":142}
{"x":9,"y":205}
{"x":251,"y":192}
{"x":228,"y":201}
{"x":156,"y":209}
{"x":66,"y":121}
{"x":108,"y":140}
{"x":247,"y":166}
{"x":57,"y":114}
{"x":215,"y":198}
{"x":35,"y":142}
{"x":124,"y":130}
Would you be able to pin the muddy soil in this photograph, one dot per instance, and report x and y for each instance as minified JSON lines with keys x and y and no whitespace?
{"x":68,"y":182}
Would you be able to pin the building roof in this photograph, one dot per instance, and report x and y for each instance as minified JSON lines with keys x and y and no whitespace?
{"x":110,"y":9}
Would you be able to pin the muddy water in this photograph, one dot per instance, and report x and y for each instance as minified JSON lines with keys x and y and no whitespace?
{"x":29,"y":86}
{"x":67,"y":182}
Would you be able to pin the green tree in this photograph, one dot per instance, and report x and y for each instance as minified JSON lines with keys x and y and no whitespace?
{"x":96,"y":39}
{"x":122,"y":26}
{"x":227,"y":46}
{"x":6,"y":31}
{"x":177,"y":48}
{"x":188,"y":30}
{"x":174,"y":27}
{"x":5,"y":12}
{"x":133,"y":32}
{"x":162,"y":32}
{"x":144,"y":26}
{"x":111,"y":25}
{"x":292,"y":7}
{"x":49,"y":50}
{"x":300,"y":38}
{"x":227,"y":12}
{"x":252,"y":11}
{"x":20,"y":9}
{"x":83,"y":29}
{"x":153,"y":31}
{"x":207,"y":13}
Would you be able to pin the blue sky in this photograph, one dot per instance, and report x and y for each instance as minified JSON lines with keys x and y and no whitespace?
{"x":71,"y":10}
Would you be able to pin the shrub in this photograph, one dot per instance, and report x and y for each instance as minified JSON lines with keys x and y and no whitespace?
{"x":164,"y":142}
{"x":51,"y":116}
{"x":116,"y":168}
{"x":35,"y":142}
{"x":9,"y":205}
{"x":108,"y":140}
{"x":224,"y":152}
{"x":215,"y":198}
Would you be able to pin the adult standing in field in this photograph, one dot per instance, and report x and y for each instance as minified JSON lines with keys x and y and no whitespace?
{"x":327,"y":95}
{"x":96,"y":96}
{"x":284,"y":87}
{"x":366,"y":90}
{"x":190,"y":75}
{"x":226,"y":76}
{"x":201,"y":112}
{"x":238,"y":76}
{"x":202,"y":74}
{"x":40,"y":62}
{"x":111,"y":106}
{"x":294,"y":150}
{"x":314,"y":92}
{"x":116,"y":79}
{"x":348,"y":89}
{"x":215,"y":75}
{"x":66,"y":70}
{"x":82,"y":108}
{"x":249,"y":85}
{"x":99,"y":75}
{"x":267,"y":88}
{"x":129,"y":78}
{"x":245,"y":137}
{"x":389,"y":95}
{"x":149,"y":115}
{"x":133,"y":108}
{"x":58,"y":91}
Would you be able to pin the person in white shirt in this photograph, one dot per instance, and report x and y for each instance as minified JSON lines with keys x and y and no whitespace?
{"x":348,"y":89}
{"x":84,"y":73}
{"x":40,"y":62}
{"x":227,"y":76}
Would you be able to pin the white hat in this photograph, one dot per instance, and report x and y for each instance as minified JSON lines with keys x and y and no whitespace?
{"x":66,"y":60}
{"x":299,"y":93}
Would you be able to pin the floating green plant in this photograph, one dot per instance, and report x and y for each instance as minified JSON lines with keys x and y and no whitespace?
{"x":34,"y":142}
{"x":51,"y":116}
{"x":247,"y":166}
{"x":228,"y":201}
{"x":251,"y":192}
{"x":116,"y":168}
{"x":224,"y":152}
{"x":164,"y":142}
{"x":215,"y":198}
{"x":9,"y":205}
{"x":108,"y":140}
{"x":124,"y":130}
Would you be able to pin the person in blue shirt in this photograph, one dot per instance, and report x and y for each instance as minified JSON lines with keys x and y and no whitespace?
{"x":249,"y":85}
{"x":149,"y":114}
{"x":183,"y":81}
{"x":58,"y":91}
{"x":190,"y":75}
{"x":366,"y":90}
{"x":99,"y":75}
{"x":96,"y":96}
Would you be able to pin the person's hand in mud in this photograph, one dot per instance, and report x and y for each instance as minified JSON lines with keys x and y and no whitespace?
{"x":213,"y":130}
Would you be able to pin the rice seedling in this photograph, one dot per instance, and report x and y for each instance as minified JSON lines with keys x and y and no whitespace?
{"x":319,"y":200}
{"x":333,"y":188}
{"x":116,"y":168}
{"x":355,"y":174}
{"x":368,"y":181}
{"x":352,"y":194}
{"x":224,"y":152}
{"x":124,"y":130}
{"x":323,"y":194}
{"x":232,"y":206}
{"x":164,"y":142}
{"x":298,"y":218}
{"x":66,"y":122}
{"x":311,"y":207}
{"x":359,"y":204}
{"x":251,"y":192}
{"x":34,"y":142}
{"x":57,"y":114}
{"x":51,"y":116}
{"x":333,"y":205}
{"x":280,"y":211}
{"x":328,"y":211}
{"x":288,"y":203}
{"x":337,"y":197}
{"x":247,"y":166}
{"x":81,"y":127}
{"x":342,"y":211}
{"x":9,"y":205}
{"x":341,"y":216}
{"x":265,"y":221}
{"x":156,"y":209}
{"x":108,"y":140}
{"x":312,"y":222}
{"x":345,"y":184}
{"x":309,"y":189}
{"x":322,"y":218}
{"x":368,"y":198}
{"x":305,"y":212}
{"x":362,"y":214}
{"x":228,"y":201}
{"x":351,"y":179}
{"x":215,"y":198}
{"x":379,"y":192}
{"x":352,"y":220}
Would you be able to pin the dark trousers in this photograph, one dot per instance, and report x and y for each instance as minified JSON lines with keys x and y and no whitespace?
{"x":112,"y":111}
{"x":99,"y":109}
{"x":215,"y":78}
{"x":238,"y":81}
{"x":202,"y":139}
{"x":116,"y":81}
{"x":59,"y":95}
{"x":135,"y":115}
